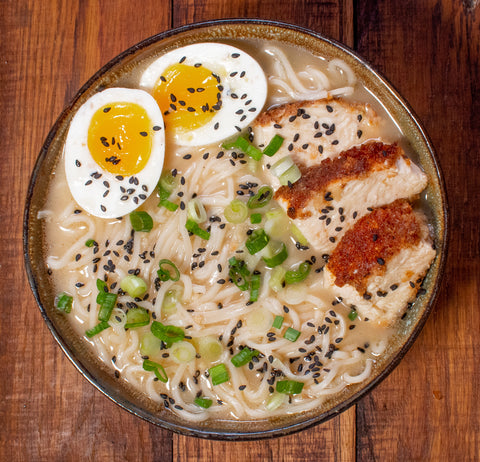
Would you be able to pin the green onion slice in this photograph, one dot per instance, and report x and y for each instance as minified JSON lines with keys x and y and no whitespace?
{"x":297,"y":234}
{"x":236,"y":212}
{"x":170,"y":300}
{"x":244,"y":357}
{"x":168,"y":271}
{"x":255,"y":218}
{"x":352,"y":315}
{"x":262,"y":198}
{"x":210,"y":348}
{"x":292,"y":277}
{"x":137,"y":317}
{"x":254,"y":287}
{"x":275,"y":254}
{"x":239,"y":273}
{"x":275,"y":401}
{"x":277,"y":322}
{"x":141,"y":221}
{"x":291,"y":334}
{"x":167,"y":334}
{"x":168,"y":182}
{"x":90,"y":243}
{"x":219,"y":374}
{"x":203,"y":402}
{"x":102,"y":290}
{"x":248,"y":148}
{"x":149,"y":344}
{"x":274,"y":145}
{"x":182,"y":352}
{"x":281,"y":166}
{"x":64,"y":302}
{"x":97,"y":329}
{"x":291,"y":176}
{"x":289,"y":387}
{"x":196,"y":211}
{"x":277,"y":278}
{"x":106,"y":308}
{"x":256,"y":241}
{"x":193,"y":227}
{"x":158,"y":369}
{"x":133,"y":285}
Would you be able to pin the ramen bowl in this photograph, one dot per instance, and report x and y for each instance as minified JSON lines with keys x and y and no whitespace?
{"x":83,"y":357}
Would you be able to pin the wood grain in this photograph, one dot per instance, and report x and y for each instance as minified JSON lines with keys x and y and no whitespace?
{"x":427,"y":409}
{"x":434,"y":62}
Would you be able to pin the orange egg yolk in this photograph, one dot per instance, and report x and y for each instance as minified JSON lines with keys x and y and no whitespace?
{"x":120,"y":138}
{"x":188,"y":96}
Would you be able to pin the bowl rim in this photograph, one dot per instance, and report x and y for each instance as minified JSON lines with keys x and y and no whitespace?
{"x":282,"y":430}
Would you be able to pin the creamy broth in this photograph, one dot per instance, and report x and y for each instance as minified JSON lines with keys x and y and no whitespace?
{"x":332,"y":350}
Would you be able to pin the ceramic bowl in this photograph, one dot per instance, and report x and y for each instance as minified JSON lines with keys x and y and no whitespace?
{"x":97,"y":372}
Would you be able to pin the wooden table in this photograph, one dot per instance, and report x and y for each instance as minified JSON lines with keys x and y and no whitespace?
{"x":427,"y":409}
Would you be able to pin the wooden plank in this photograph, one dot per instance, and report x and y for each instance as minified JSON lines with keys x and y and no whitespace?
{"x":334,"y":440}
{"x":428,"y":408}
{"x":47,"y":411}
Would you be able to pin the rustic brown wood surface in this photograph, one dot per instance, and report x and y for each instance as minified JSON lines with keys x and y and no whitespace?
{"x":427,"y":409}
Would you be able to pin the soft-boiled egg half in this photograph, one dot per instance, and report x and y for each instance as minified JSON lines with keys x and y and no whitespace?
{"x":114,"y":151}
{"x":207,"y":92}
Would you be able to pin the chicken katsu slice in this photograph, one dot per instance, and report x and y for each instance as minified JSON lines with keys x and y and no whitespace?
{"x":330,"y":196}
{"x":314,"y":130}
{"x":379,"y":264}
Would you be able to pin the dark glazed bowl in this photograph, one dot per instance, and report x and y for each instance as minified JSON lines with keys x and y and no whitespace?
{"x":80,"y":354}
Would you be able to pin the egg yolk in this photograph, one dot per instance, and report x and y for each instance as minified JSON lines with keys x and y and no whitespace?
{"x":120,"y":138}
{"x":188,"y":96}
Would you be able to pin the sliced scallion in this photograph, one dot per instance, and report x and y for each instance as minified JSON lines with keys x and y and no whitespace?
{"x":149,"y":344}
{"x":196,"y":211}
{"x":254,"y":287}
{"x":219,"y":374}
{"x":90,"y":243}
{"x":133,"y":285}
{"x":141,"y":221}
{"x":167,"y":334}
{"x":239,"y":273}
{"x":277,"y":278}
{"x":297,"y":234}
{"x":248,"y":148}
{"x":275,"y":401}
{"x":203,"y":402}
{"x":244,"y":356}
{"x":209,"y":348}
{"x":274,"y":145}
{"x":290,"y":387}
{"x":165,"y":187}
{"x":291,"y":334}
{"x":102,"y":290}
{"x":157,"y":369}
{"x":170,"y":300}
{"x":281,"y":166}
{"x":292,"y":175}
{"x":97,"y":329}
{"x":299,"y":275}
{"x":262,"y":198}
{"x":277,"y":322}
{"x":168,"y":271}
{"x":255,"y":218}
{"x":193,"y":227}
{"x":137,"y":317}
{"x":257,"y":241}
{"x":236,"y":212}
{"x":275,"y":254}
{"x":64,"y":302}
{"x":106,"y":308}
{"x":352,"y":315}
{"x":182,"y":352}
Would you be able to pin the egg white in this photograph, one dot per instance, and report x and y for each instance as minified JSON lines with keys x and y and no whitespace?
{"x":100,"y":192}
{"x":244,"y":88}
